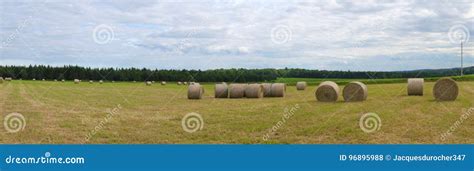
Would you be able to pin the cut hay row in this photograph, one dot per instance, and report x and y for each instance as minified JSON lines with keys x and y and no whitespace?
{"x":415,"y":86}
{"x":301,"y":85}
{"x":195,"y":91}
{"x":355,"y":91}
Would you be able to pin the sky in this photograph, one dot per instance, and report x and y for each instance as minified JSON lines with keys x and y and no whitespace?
{"x":184,"y":34}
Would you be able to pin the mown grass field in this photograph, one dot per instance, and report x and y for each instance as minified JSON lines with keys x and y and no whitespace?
{"x":57,"y":113}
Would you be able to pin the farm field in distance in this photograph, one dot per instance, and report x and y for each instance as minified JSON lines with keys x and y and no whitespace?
{"x":59,"y":113}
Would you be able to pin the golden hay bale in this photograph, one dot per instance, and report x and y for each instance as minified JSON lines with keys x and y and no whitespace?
{"x":445,"y":89}
{"x":254,"y":91}
{"x":148,"y":83}
{"x":221,"y":91}
{"x":327,"y":91}
{"x":415,"y":86}
{"x":195,"y":91}
{"x":301,"y":85}
{"x":267,"y":89}
{"x":278,"y":90}
{"x":355,"y":91}
{"x":237,"y":90}
{"x":163,"y":83}
{"x":76,"y":81}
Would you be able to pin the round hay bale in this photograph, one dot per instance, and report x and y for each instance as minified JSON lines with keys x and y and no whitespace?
{"x":445,"y":89}
{"x":179,"y":83}
{"x":195,"y":91}
{"x":163,"y":83}
{"x":267,"y":89}
{"x":148,"y":83}
{"x":43,"y":79}
{"x":254,"y":91}
{"x":237,"y":90}
{"x":185,"y":83}
{"x":355,"y":91}
{"x":34,"y":79}
{"x":301,"y":85}
{"x":221,"y":91}
{"x":63,"y":80}
{"x":8,"y":79}
{"x":113,"y":81}
{"x":55,"y":80}
{"x":278,"y":90}
{"x":90,"y":81}
{"x":101,"y":81}
{"x":76,"y":81}
{"x":327,"y":91}
{"x":415,"y":86}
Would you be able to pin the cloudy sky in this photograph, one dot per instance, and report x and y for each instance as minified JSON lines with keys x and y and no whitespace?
{"x":332,"y":35}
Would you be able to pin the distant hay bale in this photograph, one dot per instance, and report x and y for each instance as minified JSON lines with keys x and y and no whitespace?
{"x":195,"y":91}
{"x":221,"y":90}
{"x":101,"y":81}
{"x":34,"y":79}
{"x":179,"y":83}
{"x":278,"y":90}
{"x":148,"y":83}
{"x":90,"y":81}
{"x":267,"y":89}
{"x":445,"y":89}
{"x":237,"y":90}
{"x":355,"y":91}
{"x":301,"y":85}
{"x":63,"y":80}
{"x":327,"y":91}
{"x":136,"y":81}
{"x":43,"y":79}
{"x":55,"y":80}
{"x":185,"y":83}
{"x":254,"y":91}
{"x":76,"y":81}
{"x":8,"y":78}
{"x":113,"y":81}
{"x":163,"y":83}
{"x":415,"y":86}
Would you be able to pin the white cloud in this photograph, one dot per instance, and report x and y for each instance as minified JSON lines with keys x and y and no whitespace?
{"x":165,"y":34}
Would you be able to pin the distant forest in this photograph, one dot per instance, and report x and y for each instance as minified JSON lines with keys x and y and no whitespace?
{"x":214,"y":75}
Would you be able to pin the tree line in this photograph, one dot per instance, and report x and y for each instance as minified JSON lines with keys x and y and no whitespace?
{"x":70,"y":72}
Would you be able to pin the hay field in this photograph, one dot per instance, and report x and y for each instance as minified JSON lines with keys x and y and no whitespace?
{"x":120,"y":112}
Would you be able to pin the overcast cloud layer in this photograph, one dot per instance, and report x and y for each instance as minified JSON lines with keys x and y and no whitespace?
{"x":332,"y":35}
